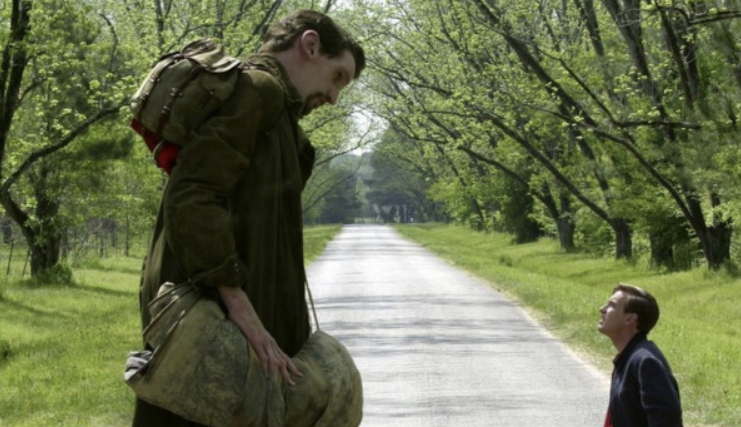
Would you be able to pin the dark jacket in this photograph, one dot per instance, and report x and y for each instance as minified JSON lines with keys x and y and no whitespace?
{"x":644,"y":392}
{"x":231,"y":211}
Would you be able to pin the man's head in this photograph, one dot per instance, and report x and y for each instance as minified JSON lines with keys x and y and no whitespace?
{"x":630,"y":309}
{"x":320,"y":57}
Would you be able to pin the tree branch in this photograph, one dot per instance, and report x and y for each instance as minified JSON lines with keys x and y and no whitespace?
{"x":65,"y":141}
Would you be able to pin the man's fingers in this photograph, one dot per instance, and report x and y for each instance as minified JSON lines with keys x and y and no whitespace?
{"x":289,"y":370}
{"x":273,"y":359}
{"x":293,"y":369}
{"x":287,"y":378}
{"x":284,"y":365}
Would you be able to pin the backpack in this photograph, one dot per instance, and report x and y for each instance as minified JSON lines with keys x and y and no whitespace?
{"x":180,"y":92}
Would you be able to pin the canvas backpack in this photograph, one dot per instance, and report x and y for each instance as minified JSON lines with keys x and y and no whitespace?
{"x":181,"y":91}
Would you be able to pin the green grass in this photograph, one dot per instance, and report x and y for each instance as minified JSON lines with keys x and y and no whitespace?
{"x":66,"y":347}
{"x":63,"y":347}
{"x":316,"y":238}
{"x":698,"y":331}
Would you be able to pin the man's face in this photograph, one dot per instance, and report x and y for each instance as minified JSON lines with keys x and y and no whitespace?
{"x":324,"y":79}
{"x":614,"y":318}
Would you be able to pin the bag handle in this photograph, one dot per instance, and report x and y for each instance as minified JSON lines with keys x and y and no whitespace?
{"x":313,"y":309}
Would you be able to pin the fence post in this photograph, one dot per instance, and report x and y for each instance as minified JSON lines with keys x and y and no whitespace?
{"x":10,"y":256}
{"x":25,"y":264}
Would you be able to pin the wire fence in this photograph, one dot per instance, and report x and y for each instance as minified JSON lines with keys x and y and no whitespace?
{"x":95,"y":241}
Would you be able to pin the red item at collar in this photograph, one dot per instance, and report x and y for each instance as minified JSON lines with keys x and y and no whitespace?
{"x":608,"y":419}
{"x":165,"y":153}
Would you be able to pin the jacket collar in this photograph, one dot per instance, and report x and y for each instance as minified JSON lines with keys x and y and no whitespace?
{"x":268,"y":63}
{"x":623,"y":355}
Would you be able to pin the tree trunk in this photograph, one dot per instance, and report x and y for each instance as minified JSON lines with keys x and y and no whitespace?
{"x":714,"y":240}
{"x":566,"y":229}
{"x":664,"y":236}
{"x":45,"y":236}
{"x":7,"y":229}
{"x":662,"y":251}
{"x":623,"y":239}
{"x":719,"y":242}
{"x":127,"y":237}
{"x":45,"y":252}
{"x":562,"y":217}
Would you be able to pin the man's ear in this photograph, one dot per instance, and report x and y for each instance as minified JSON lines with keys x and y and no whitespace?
{"x":310,"y":43}
{"x":631,"y":319}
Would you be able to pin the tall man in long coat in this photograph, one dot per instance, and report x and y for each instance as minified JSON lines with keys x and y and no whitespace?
{"x":230,"y":219}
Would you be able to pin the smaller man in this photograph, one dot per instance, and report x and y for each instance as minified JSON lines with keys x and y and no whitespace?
{"x":643,"y":391}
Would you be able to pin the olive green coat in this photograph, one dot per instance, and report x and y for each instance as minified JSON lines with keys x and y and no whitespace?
{"x":231,"y":211}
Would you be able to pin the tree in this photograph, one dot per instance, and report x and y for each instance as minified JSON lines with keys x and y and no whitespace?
{"x":656,"y":126}
{"x":609,"y":101}
{"x":49,"y":49}
{"x":400,"y":183}
{"x":342,"y":204}
{"x":66,"y":70}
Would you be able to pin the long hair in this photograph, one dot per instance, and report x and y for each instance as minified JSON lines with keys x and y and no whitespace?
{"x":334,"y":40}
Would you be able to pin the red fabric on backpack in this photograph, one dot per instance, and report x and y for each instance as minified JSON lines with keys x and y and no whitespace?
{"x":167,"y":153}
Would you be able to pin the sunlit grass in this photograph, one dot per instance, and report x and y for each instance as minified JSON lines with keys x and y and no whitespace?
{"x":316,"y":238}
{"x":698,"y":330}
{"x":67,"y":346}
{"x":63,"y":347}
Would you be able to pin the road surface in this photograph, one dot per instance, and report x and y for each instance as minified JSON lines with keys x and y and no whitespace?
{"x":438,"y":347}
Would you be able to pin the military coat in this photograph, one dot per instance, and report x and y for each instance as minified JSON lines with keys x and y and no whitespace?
{"x":231,"y":210}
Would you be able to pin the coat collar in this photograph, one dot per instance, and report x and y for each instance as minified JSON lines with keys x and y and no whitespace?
{"x":270,"y":64}
{"x":623,"y":355}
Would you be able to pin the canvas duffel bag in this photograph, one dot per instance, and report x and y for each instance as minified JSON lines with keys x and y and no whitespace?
{"x":203,"y":369}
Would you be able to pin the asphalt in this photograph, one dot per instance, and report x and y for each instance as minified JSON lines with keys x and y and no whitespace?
{"x":438,"y":347}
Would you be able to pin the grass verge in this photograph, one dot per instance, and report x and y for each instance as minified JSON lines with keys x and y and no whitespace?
{"x":63,"y":347}
{"x":698,"y":331}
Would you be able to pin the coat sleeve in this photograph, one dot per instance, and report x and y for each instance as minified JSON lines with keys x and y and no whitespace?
{"x":307,"y":157}
{"x":197,"y":215}
{"x":659,"y":394}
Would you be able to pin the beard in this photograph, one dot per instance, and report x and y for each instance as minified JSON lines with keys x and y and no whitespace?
{"x":313,"y":101}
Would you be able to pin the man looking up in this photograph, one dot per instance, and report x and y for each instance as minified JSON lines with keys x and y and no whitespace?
{"x":643,"y":391}
{"x":230,"y":217}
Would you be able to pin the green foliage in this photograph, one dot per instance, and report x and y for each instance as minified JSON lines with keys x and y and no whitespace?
{"x":399,"y":184}
{"x":620,"y":123}
{"x":341,"y":206}
{"x":514,"y":215}
{"x":594,"y":236}
{"x":332,"y":195}
{"x":85,"y":175}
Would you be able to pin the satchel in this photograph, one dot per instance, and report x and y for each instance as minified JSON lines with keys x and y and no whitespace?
{"x":203,"y":369}
{"x":195,"y":370}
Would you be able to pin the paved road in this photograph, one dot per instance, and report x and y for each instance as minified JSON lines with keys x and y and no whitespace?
{"x":437,"y":347}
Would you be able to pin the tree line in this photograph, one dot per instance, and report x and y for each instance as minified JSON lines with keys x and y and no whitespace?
{"x":611,"y":124}
{"x":68,"y":160}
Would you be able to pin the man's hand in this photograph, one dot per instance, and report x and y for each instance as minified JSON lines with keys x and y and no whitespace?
{"x":243,"y":315}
